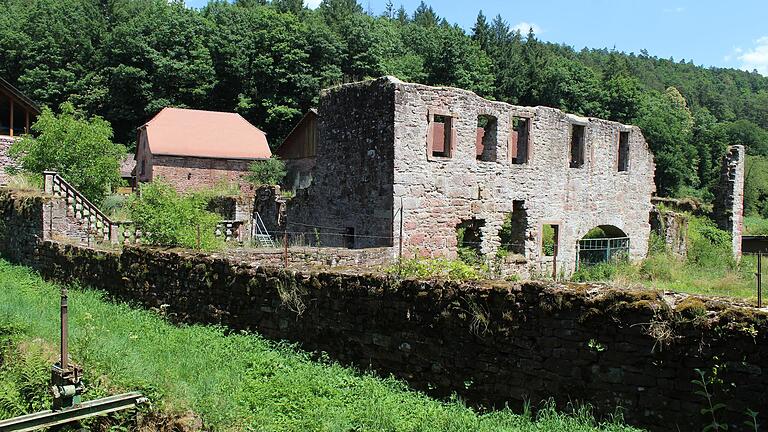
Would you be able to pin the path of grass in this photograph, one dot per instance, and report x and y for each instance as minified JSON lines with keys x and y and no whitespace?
{"x":239,"y":381}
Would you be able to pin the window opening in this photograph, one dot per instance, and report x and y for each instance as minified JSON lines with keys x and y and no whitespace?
{"x":442,"y":129}
{"x":513,"y":229}
{"x":623,"y":151}
{"x":519,"y":141}
{"x":577,"y":146}
{"x":485,"y":145}
{"x":469,"y":240}
{"x":549,"y":239}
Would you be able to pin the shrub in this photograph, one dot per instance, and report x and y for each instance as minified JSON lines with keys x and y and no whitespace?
{"x":429,"y":268}
{"x":266,"y":172}
{"x":595,"y":272}
{"x":80,"y":149}
{"x":709,"y":246}
{"x":169,"y":219}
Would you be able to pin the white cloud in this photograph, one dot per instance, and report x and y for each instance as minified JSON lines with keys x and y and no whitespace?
{"x":524,"y":26}
{"x":678,"y":9}
{"x":733,"y":54}
{"x":757,"y":57}
{"x":312,"y":4}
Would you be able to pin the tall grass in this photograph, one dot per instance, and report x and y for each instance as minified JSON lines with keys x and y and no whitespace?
{"x":239,"y":381}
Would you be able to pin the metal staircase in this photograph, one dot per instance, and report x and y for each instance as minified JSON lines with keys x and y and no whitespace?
{"x":260,"y":234}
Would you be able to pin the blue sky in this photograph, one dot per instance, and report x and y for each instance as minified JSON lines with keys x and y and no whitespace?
{"x":711,"y":33}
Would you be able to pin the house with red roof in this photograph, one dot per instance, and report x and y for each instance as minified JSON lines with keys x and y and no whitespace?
{"x":194,"y":149}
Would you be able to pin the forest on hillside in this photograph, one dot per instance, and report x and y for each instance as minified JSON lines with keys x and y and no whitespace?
{"x":268,"y":60}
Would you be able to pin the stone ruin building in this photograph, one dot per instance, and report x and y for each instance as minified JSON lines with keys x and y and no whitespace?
{"x":454,"y":161}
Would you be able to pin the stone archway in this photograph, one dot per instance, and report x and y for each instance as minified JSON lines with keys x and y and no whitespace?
{"x":603,"y":243}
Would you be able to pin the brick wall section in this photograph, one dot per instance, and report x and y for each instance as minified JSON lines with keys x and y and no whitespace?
{"x":729,"y":203}
{"x":492,"y":343}
{"x":189,"y":173}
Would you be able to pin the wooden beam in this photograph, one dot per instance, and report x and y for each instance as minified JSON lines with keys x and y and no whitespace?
{"x":26,"y":121}
{"x":11,"y":125}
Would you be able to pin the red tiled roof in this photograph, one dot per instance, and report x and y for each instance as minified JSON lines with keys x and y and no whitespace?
{"x":211,"y":134}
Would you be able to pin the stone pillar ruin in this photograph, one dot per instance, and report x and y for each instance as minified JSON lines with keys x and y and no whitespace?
{"x":729,"y":202}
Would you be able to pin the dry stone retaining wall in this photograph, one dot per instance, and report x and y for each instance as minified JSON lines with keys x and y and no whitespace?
{"x":492,"y":343}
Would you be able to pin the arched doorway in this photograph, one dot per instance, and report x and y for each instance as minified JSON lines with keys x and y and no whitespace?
{"x":603,"y":243}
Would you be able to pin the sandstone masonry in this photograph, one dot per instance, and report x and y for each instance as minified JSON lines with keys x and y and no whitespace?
{"x":5,"y":159}
{"x":729,"y":203}
{"x":453,"y":159}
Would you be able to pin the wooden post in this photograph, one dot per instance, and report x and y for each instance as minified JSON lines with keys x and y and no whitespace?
{"x":554,"y":251}
{"x":11,"y":108}
{"x":26,"y":121}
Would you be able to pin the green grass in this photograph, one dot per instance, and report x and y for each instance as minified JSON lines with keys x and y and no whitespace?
{"x":233,"y":381}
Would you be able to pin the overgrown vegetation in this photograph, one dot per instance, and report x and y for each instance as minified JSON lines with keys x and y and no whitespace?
{"x":755,"y":225}
{"x":234,"y":381}
{"x":437,"y":268}
{"x":266,"y":172}
{"x":25,"y":182}
{"x":79,"y":148}
{"x":168,"y":218}
{"x":709,"y":267}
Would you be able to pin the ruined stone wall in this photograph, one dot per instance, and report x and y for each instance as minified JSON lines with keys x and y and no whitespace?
{"x":493,"y":344}
{"x":672,"y":228}
{"x":351,"y":188}
{"x":21,"y":226}
{"x":729,"y":203}
{"x":189,"y":173}
{"x":438,"y":193}
{"x":5,"y":159}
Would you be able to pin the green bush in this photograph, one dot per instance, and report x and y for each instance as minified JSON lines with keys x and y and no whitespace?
{"x":169,"y":219}
{"x":429,"y":268}
{"x":266,"y":172}
{"x":595,"y":273}
{"x":709,"y":246}
{"x":80,"y":149}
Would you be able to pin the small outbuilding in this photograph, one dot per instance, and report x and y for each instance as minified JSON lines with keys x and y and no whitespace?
{"x":298,"y":151}
{"x":194,"y":149}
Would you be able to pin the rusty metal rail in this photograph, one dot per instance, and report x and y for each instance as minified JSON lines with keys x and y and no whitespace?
{"x":44,"y":419}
